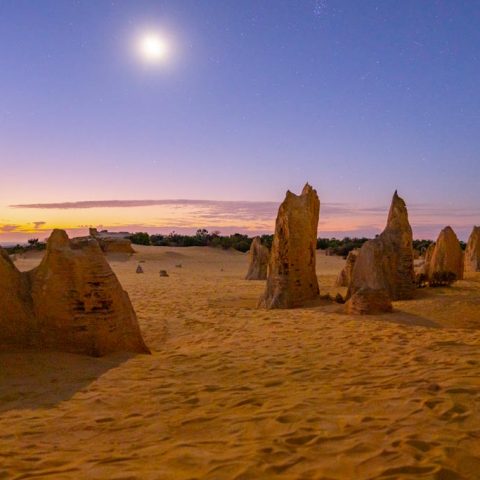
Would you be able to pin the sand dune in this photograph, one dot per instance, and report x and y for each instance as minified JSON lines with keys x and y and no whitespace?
{"x":232,"y":392}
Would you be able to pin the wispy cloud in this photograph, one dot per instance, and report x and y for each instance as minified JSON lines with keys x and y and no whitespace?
{"x":185,"y":215}
{"x":139,"y":203}
{"x":6,"y":228}
{"x":220,"y":206}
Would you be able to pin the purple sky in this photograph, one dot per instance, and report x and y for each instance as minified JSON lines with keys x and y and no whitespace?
{"x":357,"y":98}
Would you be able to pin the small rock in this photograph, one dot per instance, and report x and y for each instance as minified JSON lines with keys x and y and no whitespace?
{"x":367,"y":301}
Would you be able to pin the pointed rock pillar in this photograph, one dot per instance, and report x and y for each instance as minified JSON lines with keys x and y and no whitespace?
{"x":292,"y":278}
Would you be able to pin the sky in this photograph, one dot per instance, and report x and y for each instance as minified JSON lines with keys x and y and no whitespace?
{"x":252,"y":99}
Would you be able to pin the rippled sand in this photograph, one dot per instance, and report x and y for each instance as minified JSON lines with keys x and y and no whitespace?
{"x":232,"y":392}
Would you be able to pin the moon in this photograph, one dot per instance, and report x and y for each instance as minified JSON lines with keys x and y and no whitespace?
{"x":153,"y":47}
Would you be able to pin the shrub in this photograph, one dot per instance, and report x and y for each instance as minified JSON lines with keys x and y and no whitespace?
{"x":421,"y":280}
{"x":267,"y":240}
{"x":140,"y":238}
{"x":421,"y":245}
{"x":340,"y":247}
{"x":442,"y":279}
{"x":33,"y":244}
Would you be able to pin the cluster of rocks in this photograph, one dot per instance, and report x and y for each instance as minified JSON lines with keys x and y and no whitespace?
{"x":71,"y":302}
{"x":139,"y":269}
{"x":380,"y":272}
{"x":445,"y":261}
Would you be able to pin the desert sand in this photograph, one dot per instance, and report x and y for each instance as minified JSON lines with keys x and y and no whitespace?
{"x":235,"y":392}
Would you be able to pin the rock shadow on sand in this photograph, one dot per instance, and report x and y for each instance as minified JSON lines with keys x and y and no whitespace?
{"x":37,"y":380}
{"x":410,"y":320}
{"x":397,"y":316}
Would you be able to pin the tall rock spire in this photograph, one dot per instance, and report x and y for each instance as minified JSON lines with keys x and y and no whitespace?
{"x":292,"y":278}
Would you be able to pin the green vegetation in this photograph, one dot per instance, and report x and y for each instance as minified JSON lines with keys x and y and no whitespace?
{"x":202,"y":238}
{"x":335,"y":246}
{"x":421,"y":245}
{"x":241,"y":242}
{"x":140,"y":238}
{"x":33,"y":245}
{"x":442,"y":279}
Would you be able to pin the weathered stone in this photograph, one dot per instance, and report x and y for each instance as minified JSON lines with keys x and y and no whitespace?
{"x":386,"y":262}
{"x":345,"y":276}
{"x":429,"y":253}
{"x":139,"y":269}
{"x":79,"y":303}
{"x":112,"y":242}
{"x":367,"y":301}
{"x":17,"y":325}
{"x":116,"y":245}
{"x":472,"y":253}
{"x":163,"y":273}
{"x":292,"y":278}
{"x":258,"y":260}
{"x":423,"y":267}
{"x":447,"y":255}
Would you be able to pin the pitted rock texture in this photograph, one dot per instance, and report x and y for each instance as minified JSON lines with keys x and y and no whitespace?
{"x":71,"y":302}
{"x":345,"y":276}
{"x":258,"y":260}
{"x":447,"y":256}
{"x":292,"y":278}
{"x":386,"y":262}
{"x":472,"y":253}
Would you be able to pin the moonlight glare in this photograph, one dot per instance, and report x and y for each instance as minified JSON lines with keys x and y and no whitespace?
{"x":153,"y":48}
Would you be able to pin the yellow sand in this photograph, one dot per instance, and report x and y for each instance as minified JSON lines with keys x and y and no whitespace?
{"x":232,"y":392}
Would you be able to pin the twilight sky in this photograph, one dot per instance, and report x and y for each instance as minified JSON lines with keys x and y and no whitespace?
{"x":255,"y":97}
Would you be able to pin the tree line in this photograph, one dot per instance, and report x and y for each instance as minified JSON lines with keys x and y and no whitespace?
{"x":241,"y":242}
{"x":237,"y":241}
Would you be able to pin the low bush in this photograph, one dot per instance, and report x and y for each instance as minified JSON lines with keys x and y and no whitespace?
{"x":442,"y":279}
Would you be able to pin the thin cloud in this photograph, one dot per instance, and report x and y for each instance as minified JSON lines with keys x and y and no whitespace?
{"x":37,"y":225}
{"x":9,"y":228}
{"x":140,"y":203}
{"x":247,"y":210}
{"x":336,"y":219}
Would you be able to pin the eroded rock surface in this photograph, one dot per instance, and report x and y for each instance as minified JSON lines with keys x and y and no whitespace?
{"x":112,"y":242}
{"x":345,"y":276}
{"x":71,"y":302}
{"x":292,"y":278}
{"x":367,"y":301}
{"x":17,"y":325}
{"x":258,"y":260}
{"x":472,"y":253}
{"x":447,"y":255}
{"x":385,"y":264}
